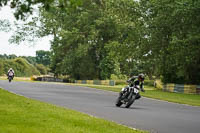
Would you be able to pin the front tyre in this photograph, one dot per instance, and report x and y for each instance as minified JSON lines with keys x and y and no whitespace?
{"x":118,"y":101}
{"x":130,"y":102}
{"x":9,"y":79}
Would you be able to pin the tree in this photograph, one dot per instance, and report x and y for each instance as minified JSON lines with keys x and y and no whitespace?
{"x":121,"y":36}
{"x":1,"y":67}
{"x":5,"y":25}
{"x":43,"y":57}
{"x":101,"y":36}
{"x":24,"y":8}
{"x":173,"y":34}
{"x":41,"y":68}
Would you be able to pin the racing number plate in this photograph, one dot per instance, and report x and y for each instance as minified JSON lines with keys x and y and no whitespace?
{"x":136,"y":91}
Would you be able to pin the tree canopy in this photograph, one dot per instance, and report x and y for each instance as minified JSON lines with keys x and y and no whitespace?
{"x":95,"y":39}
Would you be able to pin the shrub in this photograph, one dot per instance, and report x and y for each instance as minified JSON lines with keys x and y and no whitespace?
{"x":149,"y":82}
{"x":120,"y":82}
{"x":21,"y":67}
{"x":41,"y":68}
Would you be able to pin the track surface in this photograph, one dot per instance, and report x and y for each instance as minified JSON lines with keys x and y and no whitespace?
{"x":147,"y":114}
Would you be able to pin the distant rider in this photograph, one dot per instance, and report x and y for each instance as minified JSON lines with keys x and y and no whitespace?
{"x":11,"y":73}
{"x":138,"y":82}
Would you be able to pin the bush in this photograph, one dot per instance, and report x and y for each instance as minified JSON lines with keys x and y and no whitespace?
{"x":21,"y":67}
{"x":120,"y":82}
{"x":118,"y":77}
{"x":149,"y":82}
{"x":41,"y":68}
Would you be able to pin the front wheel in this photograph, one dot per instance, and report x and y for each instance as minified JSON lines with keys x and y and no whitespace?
{"x":118,"y":101}
{"x":130,"y":102}
{"x":9,"y":79}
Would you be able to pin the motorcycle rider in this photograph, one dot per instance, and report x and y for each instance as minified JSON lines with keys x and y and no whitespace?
{"x":137,"y":83}
{"x":11,"y":73}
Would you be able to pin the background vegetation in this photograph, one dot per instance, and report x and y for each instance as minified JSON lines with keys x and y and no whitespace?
{"x":23,"y":66}
{"x":101,"y":39}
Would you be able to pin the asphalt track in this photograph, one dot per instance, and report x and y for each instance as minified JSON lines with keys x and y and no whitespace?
{"x":146,"y":114}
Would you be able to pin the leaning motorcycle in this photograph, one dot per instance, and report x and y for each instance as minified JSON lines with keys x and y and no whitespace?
{"x":127,"y":97}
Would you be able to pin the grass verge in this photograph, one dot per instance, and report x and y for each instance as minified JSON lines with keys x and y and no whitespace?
{"x":17,"y":78}
{"x":22,"y":115}
{"x":190,"y":99}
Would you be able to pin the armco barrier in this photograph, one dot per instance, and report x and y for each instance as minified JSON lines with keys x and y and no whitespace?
{"x":96,"y":82}
{"x":189,"y":89}
{"x":49,"y":79}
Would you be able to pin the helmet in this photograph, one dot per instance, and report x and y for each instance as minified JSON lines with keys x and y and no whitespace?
{"x":141,"y":76}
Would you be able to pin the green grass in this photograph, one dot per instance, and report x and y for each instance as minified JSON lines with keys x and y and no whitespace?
{"x":23,"y":115}
{"x":17,"y":78}
{"x":190,"y":99}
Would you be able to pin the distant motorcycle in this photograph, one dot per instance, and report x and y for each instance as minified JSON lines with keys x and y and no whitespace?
{"x":128,"y":97}
{"x":10,"y":77}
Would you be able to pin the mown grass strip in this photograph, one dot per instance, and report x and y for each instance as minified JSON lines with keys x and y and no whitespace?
{"x":190,"y":99}
{"x":17,"y":79}
{"x":22,"y":115}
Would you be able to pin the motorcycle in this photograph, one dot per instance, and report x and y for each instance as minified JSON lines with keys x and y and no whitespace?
{"x":10,"y":77}
{"x":127,"y":97}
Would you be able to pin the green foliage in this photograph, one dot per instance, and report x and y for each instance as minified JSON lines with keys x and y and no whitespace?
{"x":172,"y":31}
{"x":26,"y":7}
{"x":1,"y":67}
{"x":120,"y":82}
{"x":149,"y":82}
{"x":43,"y":57}
{"x":21,"y":67}
{"x":41,"y":68}
{"x":5,"y":25}
{"x":5,"y":56}
{"x":30,"y":59}
{"x":95,"y":39}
